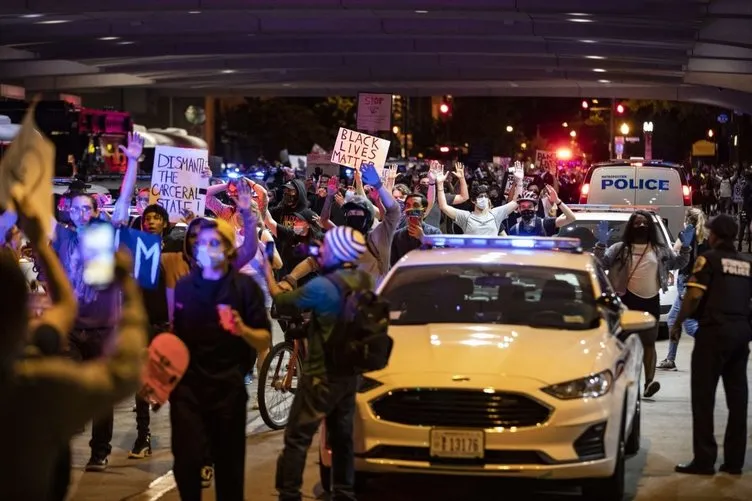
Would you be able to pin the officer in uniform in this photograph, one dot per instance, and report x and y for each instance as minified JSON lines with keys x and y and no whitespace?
{"x":718,"y":296}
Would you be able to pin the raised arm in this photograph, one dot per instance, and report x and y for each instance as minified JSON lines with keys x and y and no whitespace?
{"x":448,"y":210}
{"x":120,"y":214}
{"x":464,"y":194}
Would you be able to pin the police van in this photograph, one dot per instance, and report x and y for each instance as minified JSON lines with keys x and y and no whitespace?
{"x":660,"y":185}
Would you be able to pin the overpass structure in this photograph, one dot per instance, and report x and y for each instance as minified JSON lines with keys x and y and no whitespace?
{"x":686,"y":50}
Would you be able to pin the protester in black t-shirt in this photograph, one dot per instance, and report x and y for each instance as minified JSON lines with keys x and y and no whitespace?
{"x":209,"y":404}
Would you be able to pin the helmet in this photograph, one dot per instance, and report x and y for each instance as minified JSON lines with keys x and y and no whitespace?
{"x":528,"y":196}
{"x":358,"y":214}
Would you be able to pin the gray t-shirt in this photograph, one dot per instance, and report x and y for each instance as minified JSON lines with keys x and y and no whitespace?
{"x":377,"y":259}
{"x":434,"y":216}
{"x":486,"y":224}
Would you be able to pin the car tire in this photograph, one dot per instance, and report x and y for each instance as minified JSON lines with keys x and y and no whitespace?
{"x":609,"y":488}
{"x":325,"y":475}
{"x":632,"y":445}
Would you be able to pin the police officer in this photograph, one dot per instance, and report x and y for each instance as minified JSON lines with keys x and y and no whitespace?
{"x":718,"y":296}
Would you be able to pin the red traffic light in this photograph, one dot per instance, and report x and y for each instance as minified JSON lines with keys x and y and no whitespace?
{"x":444,"y":108}
{"x":620,"y":109}
{"x":585,"y":105}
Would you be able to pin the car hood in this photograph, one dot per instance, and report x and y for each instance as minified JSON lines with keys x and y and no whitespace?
{"x":547,"y":355}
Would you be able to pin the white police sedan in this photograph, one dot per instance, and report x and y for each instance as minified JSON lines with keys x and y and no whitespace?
{"x":513,"y":358}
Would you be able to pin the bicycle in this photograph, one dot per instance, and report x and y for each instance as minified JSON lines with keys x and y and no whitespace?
{"x":278,"y":378}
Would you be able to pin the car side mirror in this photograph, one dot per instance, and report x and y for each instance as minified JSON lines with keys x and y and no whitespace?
{"x":633,"y":322}
{"x":609,"y":303}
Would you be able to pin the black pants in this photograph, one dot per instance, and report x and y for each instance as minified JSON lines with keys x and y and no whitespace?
{"x":89,"y":345}
{"x":720,"y":353}
{"x":653,"y":306}
{"x":319,"y":398}
{"x":143,"y":419}
{"x":218,"y":420}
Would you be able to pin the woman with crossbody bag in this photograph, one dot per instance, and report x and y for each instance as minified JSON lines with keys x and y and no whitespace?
{"x":638,"y":269}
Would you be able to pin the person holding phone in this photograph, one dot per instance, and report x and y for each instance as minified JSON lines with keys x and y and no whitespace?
{"x":410,"y":236}
{"x":221,"y":317}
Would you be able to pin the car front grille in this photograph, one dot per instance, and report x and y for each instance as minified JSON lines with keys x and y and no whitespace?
{"x":508,"y":457}
{"x":459,"y":408}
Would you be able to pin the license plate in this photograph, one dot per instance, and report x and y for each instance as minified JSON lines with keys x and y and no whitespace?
{"x":457,"y":443}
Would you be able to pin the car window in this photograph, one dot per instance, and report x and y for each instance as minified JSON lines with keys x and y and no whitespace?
{"x":492,"y":293}
{"x":585,"y":230}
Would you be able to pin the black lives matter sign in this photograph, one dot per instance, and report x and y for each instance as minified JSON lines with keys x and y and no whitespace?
{"x":177,"y":183}
{"x":354,"y":149}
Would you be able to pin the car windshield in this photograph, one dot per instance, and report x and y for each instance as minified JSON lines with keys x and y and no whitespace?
{"x":543,"y":297}
{"x":585,"y":230}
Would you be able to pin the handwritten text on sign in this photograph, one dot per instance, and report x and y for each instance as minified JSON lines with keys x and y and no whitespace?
{"x":177,"y":183}
{"x":354,"y":148}
{"x":374,"y":112}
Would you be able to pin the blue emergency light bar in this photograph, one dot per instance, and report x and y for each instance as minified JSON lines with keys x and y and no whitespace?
{"x":474,"y":242}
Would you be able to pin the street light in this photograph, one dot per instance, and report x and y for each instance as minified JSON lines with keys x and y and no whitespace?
{"x":564,"y":124}
{"x":647,"y":130}
{"x":510,"y":128}
{"x":395,"y":130}
{"x":523,"y":146}
{"x":572,"y":134}
{"x":624,"y":129}
{"x":585,"y":105}
{"x":444,"y":108}
{"x":647,"y":127}
{"x":711,"y":133}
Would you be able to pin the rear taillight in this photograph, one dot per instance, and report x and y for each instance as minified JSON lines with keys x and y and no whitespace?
{"x":687,"y":193}
{"x":584,"y":193}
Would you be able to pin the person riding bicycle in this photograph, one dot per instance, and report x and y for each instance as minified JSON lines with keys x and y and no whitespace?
{"x":321,"y":394}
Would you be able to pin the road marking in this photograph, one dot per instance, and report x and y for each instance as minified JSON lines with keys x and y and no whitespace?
{"x":158,"y":488}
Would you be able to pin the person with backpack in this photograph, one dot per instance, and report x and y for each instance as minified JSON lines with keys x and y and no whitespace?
{"x":347,"y":336}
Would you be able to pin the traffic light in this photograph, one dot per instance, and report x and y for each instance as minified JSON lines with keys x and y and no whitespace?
{"x":444,"y":109}
{"x":620,"y":109}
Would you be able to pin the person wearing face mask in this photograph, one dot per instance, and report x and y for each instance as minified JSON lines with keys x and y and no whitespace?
{"x":208,"y":406}
{"x":410,"y":236}
{"x":532,"y":225}
{"x":483,"y":220}
{"x":638,"y":269}
{"x":293,"y":200}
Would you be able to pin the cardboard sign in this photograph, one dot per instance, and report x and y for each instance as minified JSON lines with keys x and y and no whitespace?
{"x":546,"y":160}
{"x":374,"y":112}
{"x":177,"y":183}
{"x":354,"y":149}
{"x":147,"y":251}
{"x":510,"y":184}
{"x":323,"y":161}
{"x":27,"y":169}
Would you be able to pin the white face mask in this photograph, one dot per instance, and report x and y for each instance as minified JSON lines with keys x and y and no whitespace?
{"x":209,"y":257}
{"x":481,"y":203}
{"x":349,"y":195}
{"x":298,"y":230}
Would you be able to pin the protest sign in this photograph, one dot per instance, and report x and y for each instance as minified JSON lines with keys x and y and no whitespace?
{"x":322,"y":161}
{"x":526,"y":181}
{"x":545,"y":160}
{"x":177,"y":182}
{"x":354,"y":148}
{"x":146,"y":250}
{"x":28,"y":167}
{"x":374,"y":112}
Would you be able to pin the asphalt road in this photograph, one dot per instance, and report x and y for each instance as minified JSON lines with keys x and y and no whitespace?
{"x":666,"y":429}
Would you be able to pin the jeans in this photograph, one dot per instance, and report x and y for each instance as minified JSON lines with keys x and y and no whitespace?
{"x":87,"y":345}
{"x":318,"y":398}
{"x":689,"y":325}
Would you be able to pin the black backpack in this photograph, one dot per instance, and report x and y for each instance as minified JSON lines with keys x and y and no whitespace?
{"x":359,"y":342}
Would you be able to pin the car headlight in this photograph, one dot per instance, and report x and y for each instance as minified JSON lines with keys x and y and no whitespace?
{"x":593,"y":386}
{"x":367,"y":384}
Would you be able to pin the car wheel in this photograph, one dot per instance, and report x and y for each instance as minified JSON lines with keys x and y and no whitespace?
{"x":632,"y":446}
{"x":325,"y":475}
{"x":608,"y":488}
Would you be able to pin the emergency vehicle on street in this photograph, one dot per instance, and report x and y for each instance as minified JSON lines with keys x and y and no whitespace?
{"x":512,"y":357}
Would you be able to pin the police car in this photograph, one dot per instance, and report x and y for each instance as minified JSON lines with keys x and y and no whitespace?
{"x":588,"y":217}
{"x":512,"y":358}
{"x":658,"y":184}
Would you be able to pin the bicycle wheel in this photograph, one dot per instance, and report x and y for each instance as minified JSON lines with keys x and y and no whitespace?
{"x":273,"y":398}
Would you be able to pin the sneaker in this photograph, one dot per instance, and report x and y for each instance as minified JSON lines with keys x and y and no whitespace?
{"x":248,"y":379}
{"x":254,"y":402}
{"x":668,"y":365}
{"x":652,"y":388}
{"x":97,"y":463}
{"x":207,"y":475}
{"x":141,"y":447}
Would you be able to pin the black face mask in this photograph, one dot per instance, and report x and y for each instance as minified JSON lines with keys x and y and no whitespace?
{"x":357,"y":223}
{"x":289,"y":200}
{"x":640,"y":233}
{"x":423,"y":189}
{"x":527,"y":215}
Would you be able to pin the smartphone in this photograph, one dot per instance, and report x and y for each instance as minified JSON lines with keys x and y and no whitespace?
{"x":97,"y":246}
{"x":269,"y":251}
